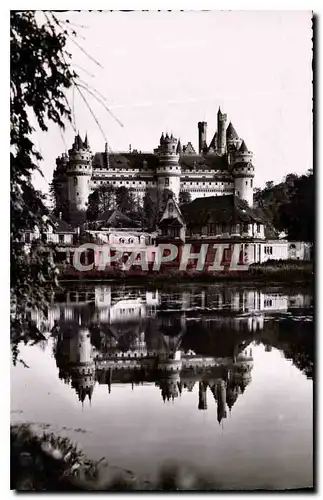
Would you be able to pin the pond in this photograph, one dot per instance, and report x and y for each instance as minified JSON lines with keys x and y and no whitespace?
{"x":212,"y":376}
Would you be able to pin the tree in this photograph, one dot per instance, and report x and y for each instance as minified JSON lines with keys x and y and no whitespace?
{"x":297,"y":214}
{"x":150,"y":208}
{"x":124,"y":201}
{"x":154,"y":203}
{"x":290,"y":205}
{"x":185,"y":197}
{"x":100,"y":200}
{"x":40,"y":76}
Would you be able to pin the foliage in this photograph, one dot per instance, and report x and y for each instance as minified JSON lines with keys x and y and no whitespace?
{"x":124,"y":201}
{"x":290,"y":205}
{"x":52,"y":463}
{"x":40,"y":76}
{"x":150,"y":208}
{"x":100,"y":200}
{"x":184,"y":197}
{"x":154,"y":203}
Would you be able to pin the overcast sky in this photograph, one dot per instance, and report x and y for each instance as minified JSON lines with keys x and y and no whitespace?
{"x":165,"y":71}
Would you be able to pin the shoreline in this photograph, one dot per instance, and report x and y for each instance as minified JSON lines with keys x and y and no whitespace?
{"x":255,"y":277}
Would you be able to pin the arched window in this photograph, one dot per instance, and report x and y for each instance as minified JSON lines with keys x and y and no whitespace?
{"x":75,"y":181}
{"x":171,"y":207}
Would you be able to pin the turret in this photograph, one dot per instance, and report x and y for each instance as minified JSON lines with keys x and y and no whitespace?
{"x":202,"y":396}
{"x":60,"y":185}
{"x":243,"y":172}
{"x":202,"y":127}
{"x":233,"y":142}
{"x":222,"y":402}
{"x":79,"y":172}
{"x":221,"y":135}
{"x":169,"y":386}
{"x":168,"y":170}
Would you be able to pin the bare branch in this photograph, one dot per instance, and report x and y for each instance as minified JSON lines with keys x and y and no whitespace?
{"x":92,"y":113}
{"x":101,"y":102}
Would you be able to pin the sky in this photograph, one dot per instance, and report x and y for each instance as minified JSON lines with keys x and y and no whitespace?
{"x":165,"y":71}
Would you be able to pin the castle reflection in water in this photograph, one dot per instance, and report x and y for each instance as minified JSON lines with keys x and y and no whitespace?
{"x":120,"y":334}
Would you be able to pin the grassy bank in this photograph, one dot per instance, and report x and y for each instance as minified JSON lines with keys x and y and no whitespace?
{"x":269,"y":272}
{"x":52,"y":463}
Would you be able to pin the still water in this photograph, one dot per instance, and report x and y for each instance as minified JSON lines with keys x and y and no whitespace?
{"x":217,"y":377}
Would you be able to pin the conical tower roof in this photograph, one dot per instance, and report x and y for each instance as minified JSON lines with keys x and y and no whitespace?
{"x":243,"y":148}
{"x":231,"y":132}
{"x":86,"y":141}
{"x":179,"y":147}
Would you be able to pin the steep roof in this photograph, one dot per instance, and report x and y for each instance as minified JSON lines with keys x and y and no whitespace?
{"x":243,"y":148}
{"x":213,"y":142}
{"x":219,"y":210}
{"x":231,"y":132}
{"x":131,"y":161}
{"x":205,"y":162}
{"x":170,"y":222}
{"x":128,"y":161}
{"x":60,"y":225}
{"x":112,"y":218}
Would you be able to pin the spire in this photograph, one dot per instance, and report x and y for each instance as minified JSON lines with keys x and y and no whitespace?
{"x":179,"y":147}
{"x":86,"y":142}
{"x":231,"y":132}
{"x":162,"y":137}
{"x":219,"y":111}
{"x":243,"y":148}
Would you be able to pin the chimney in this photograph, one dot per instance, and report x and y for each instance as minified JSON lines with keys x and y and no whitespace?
{"x":202,"y":127}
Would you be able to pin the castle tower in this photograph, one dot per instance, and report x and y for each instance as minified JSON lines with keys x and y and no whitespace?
{"x":243,"y":172}
{"x":221,"y":135}
{"x":202,"y":396}
{"x":79,"y":172}
{"x":168,"y":169}
{"x":233,"y":142}
{"x":222,"y":401}
{"x":60,"y":185}
{"x":82,"y":364}
{"x":202,"y":127}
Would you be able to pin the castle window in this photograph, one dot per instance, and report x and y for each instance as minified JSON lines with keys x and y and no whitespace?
{"x":166,"y":182}
{"x":77,"y":194}
{"x":171,"y":207}
{"x":75,"y":181}
{"x":258,"y":228}
{"x":251,"y":183}
{"x":61,"y":238}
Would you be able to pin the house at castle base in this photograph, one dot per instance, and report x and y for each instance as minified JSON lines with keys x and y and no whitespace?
{"x":225,"y":220}
{"x":113,"y":227}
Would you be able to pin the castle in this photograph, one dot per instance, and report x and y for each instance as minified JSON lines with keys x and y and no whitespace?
{"x":222,"y":167}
